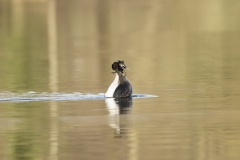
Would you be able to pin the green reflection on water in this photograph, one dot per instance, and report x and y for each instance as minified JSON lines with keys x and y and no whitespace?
{"x":23,"y":47}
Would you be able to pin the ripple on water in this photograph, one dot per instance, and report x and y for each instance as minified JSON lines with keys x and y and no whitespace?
{"x":55,"y":96}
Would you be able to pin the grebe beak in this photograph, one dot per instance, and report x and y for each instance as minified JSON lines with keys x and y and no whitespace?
{"x":123,"y":66}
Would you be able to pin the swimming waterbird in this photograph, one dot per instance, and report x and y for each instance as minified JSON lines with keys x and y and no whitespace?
{"x":121,"y":86}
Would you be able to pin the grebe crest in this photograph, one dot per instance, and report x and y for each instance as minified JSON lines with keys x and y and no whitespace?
{"x":121,"y":86}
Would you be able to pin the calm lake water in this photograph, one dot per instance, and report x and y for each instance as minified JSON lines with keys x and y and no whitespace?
{"x":187,"y":53}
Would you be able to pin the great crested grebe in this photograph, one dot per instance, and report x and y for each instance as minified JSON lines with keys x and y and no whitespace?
{"x":121,"y":86}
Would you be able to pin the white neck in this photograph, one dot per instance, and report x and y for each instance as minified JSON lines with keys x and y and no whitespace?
{"x":112,"y":87}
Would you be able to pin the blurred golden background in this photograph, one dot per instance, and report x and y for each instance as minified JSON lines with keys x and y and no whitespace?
{"x":74,"y":43}
{"x":186,"y":52}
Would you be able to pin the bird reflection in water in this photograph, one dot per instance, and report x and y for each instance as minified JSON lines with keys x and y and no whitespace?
{"x":120,"y":110}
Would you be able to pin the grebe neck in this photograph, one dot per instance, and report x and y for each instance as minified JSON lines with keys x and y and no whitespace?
{"x":122,"y":78}
{"x":112,"y":87}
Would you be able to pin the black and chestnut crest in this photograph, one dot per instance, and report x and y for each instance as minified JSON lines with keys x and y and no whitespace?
{"x":119,"y":66}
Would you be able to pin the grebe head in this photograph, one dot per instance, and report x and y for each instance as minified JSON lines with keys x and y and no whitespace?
{"x":119,"y":66}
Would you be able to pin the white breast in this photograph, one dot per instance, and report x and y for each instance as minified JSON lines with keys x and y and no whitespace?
{"x":112,"y":87}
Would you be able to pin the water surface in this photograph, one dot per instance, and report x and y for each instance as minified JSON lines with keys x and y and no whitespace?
{"x":185,"y":52}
